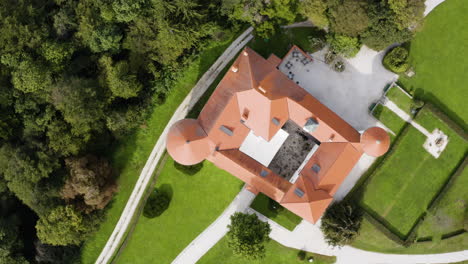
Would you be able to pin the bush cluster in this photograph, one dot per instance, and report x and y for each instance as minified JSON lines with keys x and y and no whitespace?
{"x":396,"y":60}
{"x":157,"y":203}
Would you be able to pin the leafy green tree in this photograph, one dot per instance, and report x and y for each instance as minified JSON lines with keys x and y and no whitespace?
{"x":31,"y":76}
{"x":341,"y":223}
{"x":315,"y":11}
{"x":396,"y":60}
{"x":247,"y":235}
{"x":349,"y":17}
{"x":57,"y":53}
{"x":80,"y":102}
{"x":119,"y":79}
{"x":11,"y":246}
{"x":122,"y":10}
{"x":90,"y":184}
{"x":124,"y":119}
{"x":383,"y":34}
{"x":65,"y":226}
{"x":408,"y":13}
{"x":344,"y":45}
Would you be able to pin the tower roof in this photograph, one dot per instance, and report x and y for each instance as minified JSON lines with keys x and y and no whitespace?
{"x":187,"y":142}
{"x":375,"y":141}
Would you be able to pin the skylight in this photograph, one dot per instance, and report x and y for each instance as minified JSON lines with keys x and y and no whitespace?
{"x":264,"y":173}
{"x":311,"y":125}
{"x":316,"y":168}
{"x":275,"y":121}
{"x":226,"y":130}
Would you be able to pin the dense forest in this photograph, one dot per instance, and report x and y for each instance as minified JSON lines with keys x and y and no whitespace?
{"x":78,"y":76}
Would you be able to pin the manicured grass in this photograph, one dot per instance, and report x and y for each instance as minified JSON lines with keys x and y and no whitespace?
{"x":275,"y":254}
{"x":285,"y":217}
{"x":389,"y":118}
{"x":401,"y":189}
{"x":448,"y":215}
{"x":196,"y":202}
{"x":439,"y":55}
{"x":371,"y":239}
{"x":130,"y":154}
{"x":280,"y":43}
{"x":400,"y":99}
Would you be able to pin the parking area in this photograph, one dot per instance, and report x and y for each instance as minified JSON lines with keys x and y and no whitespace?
{"x":348,"y":93}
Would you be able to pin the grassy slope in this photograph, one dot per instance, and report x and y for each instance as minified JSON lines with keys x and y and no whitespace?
{"x":285,"y":218}
{"x":389,"y":118}
{"x":131,"y":154}
{"x":196,"y":202}
{"x":439,"y":54}
{"x":400,"y":99}
{"x":275,"y":254}
{"x":399,"y":191}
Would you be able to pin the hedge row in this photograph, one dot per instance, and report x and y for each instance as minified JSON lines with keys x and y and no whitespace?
{"x":412,"y":236}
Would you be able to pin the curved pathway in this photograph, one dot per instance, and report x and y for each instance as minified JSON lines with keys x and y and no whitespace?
{"x":202,"y":85}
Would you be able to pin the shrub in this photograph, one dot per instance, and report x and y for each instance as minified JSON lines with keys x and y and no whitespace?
{"x":157,"y":203}
{"x":189,"y":170}
{"x":274,"y":206}
{"x":247,"y":235}
{"x":330,"y":56}
{"x":396,"y":60}
{"x":339,"y":66}
{"x":301,"y":255}
{"x":384,"y":33}
{"x":341,"y":223}
{"x":344,"y":45}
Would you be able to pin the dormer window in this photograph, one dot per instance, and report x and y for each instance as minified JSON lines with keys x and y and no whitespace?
{"x":261,"y":89}
{"x":316,"y":168}
{"x":299,"y":192}
{"x":245,"y":114}
{"x":264,"y":173}
{"x":226,"y":130}
{"x":275,"y":121}
{"x":311,"y":125}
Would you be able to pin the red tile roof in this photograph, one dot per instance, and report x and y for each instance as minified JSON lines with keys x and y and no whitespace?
{"x":255,"y":96}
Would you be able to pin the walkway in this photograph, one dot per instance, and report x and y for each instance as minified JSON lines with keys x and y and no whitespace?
{"x":132,"y":204}
{"x":206,"y":240}
{"x":309,"y":237}
{"x":403,"y":115}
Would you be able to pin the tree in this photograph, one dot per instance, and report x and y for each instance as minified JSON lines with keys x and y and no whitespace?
{"x":341,"y":223}
{"x":344,"y":45}
{"x":119,"y":79}
{"x":383,"y":34}
{"x":90,"y":184}
{"x":80,"y":102}
{"x":157,"y":203}
{"x":11,"y":246}
{"x":408,"y":13}
{"x":247,"y":235}
{"x":31,"y":76}
{"x":65,"y":226}
{"x":396,"y":60}
{"x":315,"y":11}
{"x":349,"y":18}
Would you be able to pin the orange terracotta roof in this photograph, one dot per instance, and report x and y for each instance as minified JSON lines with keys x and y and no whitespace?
{"x":375,"y":141}
{"x":311,"y":205}
{"x":255,"y":96}
{"x":335,"y":160}
{"x":187,"y":142}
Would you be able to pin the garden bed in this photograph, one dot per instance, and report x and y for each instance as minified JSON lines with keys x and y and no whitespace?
{"x":402,"y":188}
{"x":283,"y":217}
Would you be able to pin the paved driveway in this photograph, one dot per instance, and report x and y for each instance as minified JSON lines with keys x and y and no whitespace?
{"x":350,"y":93}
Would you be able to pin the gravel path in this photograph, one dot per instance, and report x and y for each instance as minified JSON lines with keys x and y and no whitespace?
{"x":205,"y":81}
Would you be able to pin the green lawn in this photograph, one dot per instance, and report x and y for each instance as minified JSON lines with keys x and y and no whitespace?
{"x":275,"y":254}
{"x":389,"y":118}
{"x":449,"y":213}
{"x":439,"y":54}
{"x":400,"y":190}
{"x":130,"y":155}
{"x":372,"y":239}
{"x":401,"y":99}
{"x":280,"y":43}
{"x":196,"y":202}
{"x":285,"y":217}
